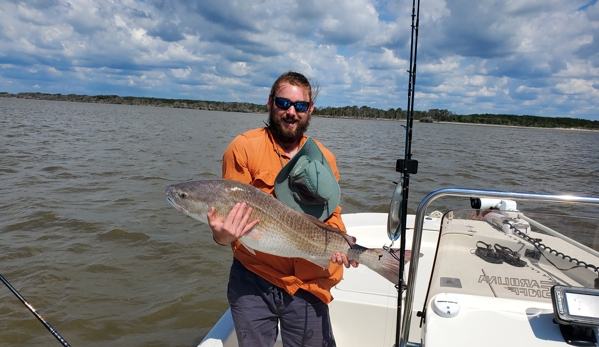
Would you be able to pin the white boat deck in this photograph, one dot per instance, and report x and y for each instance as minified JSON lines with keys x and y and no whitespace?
{"x":364,"y":312}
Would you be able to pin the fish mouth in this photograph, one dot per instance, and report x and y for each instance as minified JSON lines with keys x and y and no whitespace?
{"x":178,"y":207}
{"x":171,"y":194}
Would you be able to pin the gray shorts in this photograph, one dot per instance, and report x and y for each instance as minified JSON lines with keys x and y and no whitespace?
{"x":257,"y":307}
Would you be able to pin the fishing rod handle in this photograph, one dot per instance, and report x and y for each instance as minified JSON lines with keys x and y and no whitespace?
{"x":57,"y":336}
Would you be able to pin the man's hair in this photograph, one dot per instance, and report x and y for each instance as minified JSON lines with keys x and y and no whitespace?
{"x":299,"y":80}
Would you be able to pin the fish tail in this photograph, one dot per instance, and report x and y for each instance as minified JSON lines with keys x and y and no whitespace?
{"x":389,"y":265}
{"x":382,"y":261}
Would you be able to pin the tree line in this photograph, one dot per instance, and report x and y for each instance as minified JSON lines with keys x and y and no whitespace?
{"x":244,"y":107}
{"x":436,"y":115}
{"x":364,"y":112}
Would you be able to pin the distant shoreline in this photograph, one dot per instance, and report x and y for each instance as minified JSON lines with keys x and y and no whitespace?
{"x":244,"y":107}
{"x":517,"y":126}
{"x":468,"y":124}
{"x":347,"y":112}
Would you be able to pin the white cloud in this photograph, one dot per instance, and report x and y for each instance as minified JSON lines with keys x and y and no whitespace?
{"x":515,"y":56}
{"x":181,"y":73}
{"x":578,"y":86}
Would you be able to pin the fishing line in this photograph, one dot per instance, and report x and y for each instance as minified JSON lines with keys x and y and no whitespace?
{"x":37,"y":315}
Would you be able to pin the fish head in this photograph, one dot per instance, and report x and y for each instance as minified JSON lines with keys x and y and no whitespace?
{"x":195,"y":198}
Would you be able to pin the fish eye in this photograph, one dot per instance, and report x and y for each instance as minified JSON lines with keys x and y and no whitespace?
{"x":183,"y":195}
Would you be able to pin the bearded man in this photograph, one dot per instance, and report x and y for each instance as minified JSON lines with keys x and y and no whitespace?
{"x":264,"y":290}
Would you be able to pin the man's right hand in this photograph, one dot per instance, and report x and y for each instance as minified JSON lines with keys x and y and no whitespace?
{"x":226,"y":231}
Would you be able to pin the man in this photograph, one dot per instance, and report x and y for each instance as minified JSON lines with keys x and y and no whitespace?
{"x":265,"y":289}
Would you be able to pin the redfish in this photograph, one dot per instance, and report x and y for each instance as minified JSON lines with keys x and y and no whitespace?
{"x":282,"y":231}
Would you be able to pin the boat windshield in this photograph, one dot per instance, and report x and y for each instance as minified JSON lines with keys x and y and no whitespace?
{"x":514,"y":255}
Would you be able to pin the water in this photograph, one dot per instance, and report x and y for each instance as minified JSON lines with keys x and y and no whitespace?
{"x":87,"y":237}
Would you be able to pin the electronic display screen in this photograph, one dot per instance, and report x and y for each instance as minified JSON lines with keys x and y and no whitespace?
{"x":576,"y":305}
{"x":583,"y":305}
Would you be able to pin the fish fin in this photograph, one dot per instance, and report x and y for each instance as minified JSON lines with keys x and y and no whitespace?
{"x":390,"y":263}
{"x":250,"y":249}
{"x":323,"y":263}
{"x":408,"y":254}
{"x":350,"y":239}
{"x":252,"y":236}
{"x":389,"y":267}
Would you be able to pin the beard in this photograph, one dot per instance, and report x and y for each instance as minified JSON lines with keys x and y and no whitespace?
{"x":286,"y":135}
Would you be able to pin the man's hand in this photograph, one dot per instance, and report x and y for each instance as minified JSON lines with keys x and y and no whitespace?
{"x":226,"y":231}
{"x":341,"y":259}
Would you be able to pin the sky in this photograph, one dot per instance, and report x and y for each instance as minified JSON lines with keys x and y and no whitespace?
{"x":522,"y":57}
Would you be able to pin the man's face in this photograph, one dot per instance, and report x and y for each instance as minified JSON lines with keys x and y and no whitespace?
{"x":289,"y":125}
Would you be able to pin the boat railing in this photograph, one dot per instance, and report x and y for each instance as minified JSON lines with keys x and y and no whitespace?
{"x":469,"y":193}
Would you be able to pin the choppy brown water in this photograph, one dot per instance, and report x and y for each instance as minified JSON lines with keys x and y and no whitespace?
{"x":87,"y":237}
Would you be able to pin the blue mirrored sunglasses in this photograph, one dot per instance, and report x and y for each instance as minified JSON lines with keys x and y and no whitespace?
{"x":300,"y":106}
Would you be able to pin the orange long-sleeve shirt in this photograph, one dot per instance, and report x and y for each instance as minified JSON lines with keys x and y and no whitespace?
{"x":253,"y":158}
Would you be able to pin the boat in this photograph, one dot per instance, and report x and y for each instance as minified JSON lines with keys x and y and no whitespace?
{"x":490,"y":275}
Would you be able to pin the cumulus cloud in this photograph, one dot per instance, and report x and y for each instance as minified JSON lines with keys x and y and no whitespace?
{"x":489,"y":56}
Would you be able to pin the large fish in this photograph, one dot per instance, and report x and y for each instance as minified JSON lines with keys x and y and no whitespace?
{"x":282,"y":231}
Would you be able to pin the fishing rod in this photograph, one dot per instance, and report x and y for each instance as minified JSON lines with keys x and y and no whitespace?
{"x":398,"y":209}
{"x":37,"y":315}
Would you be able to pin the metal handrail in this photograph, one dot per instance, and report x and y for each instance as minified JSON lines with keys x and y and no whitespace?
{"x":463,"y":192}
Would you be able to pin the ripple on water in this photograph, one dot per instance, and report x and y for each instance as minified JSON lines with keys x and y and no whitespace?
{"x":53,"y":169}
{"x":102,"y":268}
{"x":36,"y":220}
{"x":16,"y":252}
{"x":120,"y":234}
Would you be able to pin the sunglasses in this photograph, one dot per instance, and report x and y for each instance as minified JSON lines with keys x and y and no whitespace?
{"x":285,"y":104}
